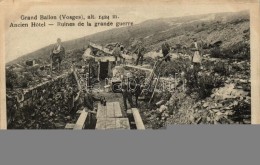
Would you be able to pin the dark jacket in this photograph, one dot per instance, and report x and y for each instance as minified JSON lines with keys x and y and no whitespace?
{"x":140,"y":50}
{"x":61,"y":54}
{"x":165,"y":48}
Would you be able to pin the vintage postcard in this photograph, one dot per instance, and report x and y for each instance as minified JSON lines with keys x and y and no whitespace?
{"x":128,"y":65}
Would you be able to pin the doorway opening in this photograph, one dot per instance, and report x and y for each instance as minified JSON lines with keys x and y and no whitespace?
{"x":103,"y":70}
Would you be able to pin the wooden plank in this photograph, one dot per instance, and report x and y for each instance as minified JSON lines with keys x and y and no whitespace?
{"x":129,"y":112}
{"x":101,"y":124}
{"x":139,"y":67}
{"x":106,"y":123}
{"x":79,"y":111}
{"x":110,"y":123}
{"x":110,"y":117}
{"x":138,"y":120}
{"x":105,"y":58}
{"x":80,"y":124}
{"x":110,"y":110}
{"x":118,"y":111}
{"x":122,"y":123}
{"x":101,"y":112}
{"x":69,"y":126}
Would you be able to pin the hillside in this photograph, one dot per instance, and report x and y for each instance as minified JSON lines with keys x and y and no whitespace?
{"x":229,"y":28}
{"x":219,"y":92}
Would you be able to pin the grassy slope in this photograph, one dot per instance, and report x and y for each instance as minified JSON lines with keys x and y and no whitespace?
{"x":230,"y":28}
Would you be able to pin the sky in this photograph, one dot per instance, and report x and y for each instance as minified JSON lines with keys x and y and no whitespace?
{"x":20,"y":41}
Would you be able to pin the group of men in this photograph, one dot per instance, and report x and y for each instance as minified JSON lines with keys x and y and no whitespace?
{"x":139,"y":51}
{"x":58,"y":52}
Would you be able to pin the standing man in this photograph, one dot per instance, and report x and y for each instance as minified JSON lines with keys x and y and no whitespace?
{"x":117,"y":53}
{"x":140,"y":50}
{"x":165,"y":51}
{"x":57,"y":54}
{"x":137,"y":90}
{"x":196,"y":58}
{"x":88,"y":102}
{"x":127,"y":95}
{"x":87,"y":54}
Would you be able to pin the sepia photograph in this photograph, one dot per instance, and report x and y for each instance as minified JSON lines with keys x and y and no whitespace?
{"x":127,"y":67}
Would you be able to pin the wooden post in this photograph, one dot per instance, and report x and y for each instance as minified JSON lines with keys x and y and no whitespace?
{"x":77,"y":80}
{"x":89,"y":69}
{"x":51,"y":66}
{"x":155,"y":88}
{"x":99,"y":70}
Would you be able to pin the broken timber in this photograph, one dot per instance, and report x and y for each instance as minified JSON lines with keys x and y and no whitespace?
{"x":138,"y":67}
{"x":138,"y":120}
{"x":107,"y":52}
{"x":80,"y":124}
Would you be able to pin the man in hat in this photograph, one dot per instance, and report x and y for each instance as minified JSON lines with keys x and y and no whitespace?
{"x":88,"y":101}
{"x":137,"y":89}
{"x":57,"y":53}
{"x":127,"y":95}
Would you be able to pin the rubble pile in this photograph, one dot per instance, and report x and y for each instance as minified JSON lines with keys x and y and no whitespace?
{"x":225,"y":85}
{"x":225,"y":106}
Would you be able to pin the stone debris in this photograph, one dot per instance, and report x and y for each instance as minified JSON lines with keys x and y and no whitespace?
{"x":228,"y":103}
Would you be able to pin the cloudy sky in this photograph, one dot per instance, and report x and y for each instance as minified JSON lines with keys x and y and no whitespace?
{"x":20,"y":41}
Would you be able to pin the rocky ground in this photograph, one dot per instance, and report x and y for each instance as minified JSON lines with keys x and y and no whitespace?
{"x":222,"y":96}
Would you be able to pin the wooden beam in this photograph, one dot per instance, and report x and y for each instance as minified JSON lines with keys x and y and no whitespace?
{"x":157,"y":81}
{"x":101,"y":112}
{"x":117,"y":108}
{"x":101,"y":124}
{"x":139,"y":67}
{"x":122,"y":123}
{"x":69,"y":126}
{"x":80,"y":124}
{"x":112,"y":123}
{"x":110,"y":111}
{"x":138,"y":120}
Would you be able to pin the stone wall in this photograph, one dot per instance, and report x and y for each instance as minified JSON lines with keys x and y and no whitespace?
{"x":48,"y":105}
